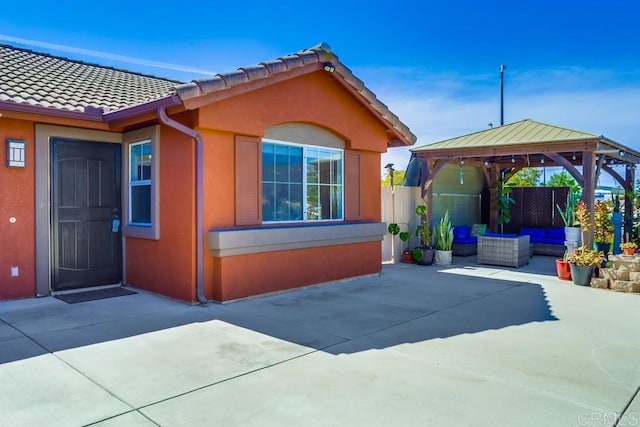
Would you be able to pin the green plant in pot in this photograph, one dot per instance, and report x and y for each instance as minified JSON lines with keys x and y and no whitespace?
{"x":504,"y":202}
{"x":443,"y":240}
{"x":563,"y":268}
{"x":571,"y":225}
{"x":423,"y":254}
{"x":583,"y":260}
{"x":603,"y":228}
{"x":405,"y":236}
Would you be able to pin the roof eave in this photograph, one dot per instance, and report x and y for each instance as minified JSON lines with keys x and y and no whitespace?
{"x":566,"y":145}
{"x":93,"y":115}
{"x":430,"y":148}
{"x":400,"y":135}
{"x":201,"y":92}
{"x":135,"y":110}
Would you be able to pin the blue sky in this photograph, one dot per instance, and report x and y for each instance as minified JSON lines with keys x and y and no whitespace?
{"x":434,"y":63}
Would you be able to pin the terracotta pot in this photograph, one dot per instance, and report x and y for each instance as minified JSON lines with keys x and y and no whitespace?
{"x":407,"y":257}
{"x":629,"y":251}
{"x":563,"y":269}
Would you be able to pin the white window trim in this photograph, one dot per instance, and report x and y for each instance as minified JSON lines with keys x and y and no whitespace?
{"x":144,"y":231}
{"x":136,"y":183}
{"x":305,"y":183}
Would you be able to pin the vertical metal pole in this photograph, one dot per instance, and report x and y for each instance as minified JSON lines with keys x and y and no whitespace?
{"x":502,"y":68}
{"x":389,"y":167}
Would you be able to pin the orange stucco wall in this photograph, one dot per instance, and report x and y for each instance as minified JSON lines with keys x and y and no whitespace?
{"x":315,"y":99}
{"x":246,"y":275}
{"x":167,"y":266}
{"x":17,"y":240}
{"x":370,"y":198}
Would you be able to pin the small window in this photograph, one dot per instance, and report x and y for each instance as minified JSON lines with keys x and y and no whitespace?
{"x":141,"y":216}
{"x":301,"y":182}
{"x":140,"y":183}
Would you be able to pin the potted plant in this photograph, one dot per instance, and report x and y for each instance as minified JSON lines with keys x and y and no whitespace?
{"x":603,"y":229}
{"x":423,"y":254}
{"x":583,"y":260}
{"x":571,"y":224}
{"x":629,"y":248}
{"x":583,"y":217}
{"x":504,"y":203}
{"x":405,"y":236}
{"x":443,"y":240}
{"x":563,"y":267}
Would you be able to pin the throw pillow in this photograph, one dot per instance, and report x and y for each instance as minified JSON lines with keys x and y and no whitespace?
{"x":478,"y":229}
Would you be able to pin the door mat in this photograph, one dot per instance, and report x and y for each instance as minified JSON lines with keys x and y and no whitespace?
{"x":93,"y":295}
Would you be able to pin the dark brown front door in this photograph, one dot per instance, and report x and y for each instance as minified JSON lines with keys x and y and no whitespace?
{"x":85,"y":211}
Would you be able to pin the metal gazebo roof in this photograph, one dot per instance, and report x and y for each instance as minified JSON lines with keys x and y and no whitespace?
{"x":503,"y":150}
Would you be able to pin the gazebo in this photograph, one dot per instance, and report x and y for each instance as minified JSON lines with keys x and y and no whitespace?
{"x":502,"y":151}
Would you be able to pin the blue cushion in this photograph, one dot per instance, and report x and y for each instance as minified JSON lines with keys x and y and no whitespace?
{"x":536,"y":235}
{"x":465,"y":240}
{"x":490,"y":234}
{"x":556,"y":234}
{"x":460,"y":232}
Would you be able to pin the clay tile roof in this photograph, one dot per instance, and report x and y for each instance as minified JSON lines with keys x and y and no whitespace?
{"x":318,"y":54}
{"x":35,"y":79}
{"x":43,"y":80}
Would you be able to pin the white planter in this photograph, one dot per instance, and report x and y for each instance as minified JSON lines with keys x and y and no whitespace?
{"x":443,"y":257}
{"x":573,"y":234}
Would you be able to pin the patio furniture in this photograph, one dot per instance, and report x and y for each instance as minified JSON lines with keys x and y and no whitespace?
{"x":464,"y":243}
{"x":546,"y":241}
{"x":506,"y":250}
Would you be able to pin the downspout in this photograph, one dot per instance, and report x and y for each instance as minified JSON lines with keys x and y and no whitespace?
{"x":162,"y":115}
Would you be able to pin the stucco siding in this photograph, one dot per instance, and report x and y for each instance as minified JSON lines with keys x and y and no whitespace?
{"x":314,"y":98}
{"x":167,"y":265}
{"x":262,"y":273}
{"x":17,"y":225}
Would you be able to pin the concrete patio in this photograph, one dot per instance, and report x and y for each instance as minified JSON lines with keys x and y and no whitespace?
{"x":460,"y":345}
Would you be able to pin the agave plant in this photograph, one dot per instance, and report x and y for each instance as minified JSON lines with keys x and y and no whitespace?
{"x":568,"y":215}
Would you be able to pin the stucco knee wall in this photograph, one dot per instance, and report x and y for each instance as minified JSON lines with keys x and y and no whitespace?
{"x":265,"y":260}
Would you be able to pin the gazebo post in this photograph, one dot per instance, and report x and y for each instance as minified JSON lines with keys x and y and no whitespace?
{"x":628,"y":202}
{"x":588,"y":193}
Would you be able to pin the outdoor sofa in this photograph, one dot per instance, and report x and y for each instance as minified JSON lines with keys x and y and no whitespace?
{"x":545,"y":241}
{"x":464,"y":244}
{"x":465,"y":239}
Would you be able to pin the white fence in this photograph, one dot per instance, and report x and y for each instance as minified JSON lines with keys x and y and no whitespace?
{"x":399,"y":206}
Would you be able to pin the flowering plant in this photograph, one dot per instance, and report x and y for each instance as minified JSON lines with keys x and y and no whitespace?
{"x":586,"y":256}
{"x":603,"y":227}
{"x":582,"y":215}
{"x":628,"y":245}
